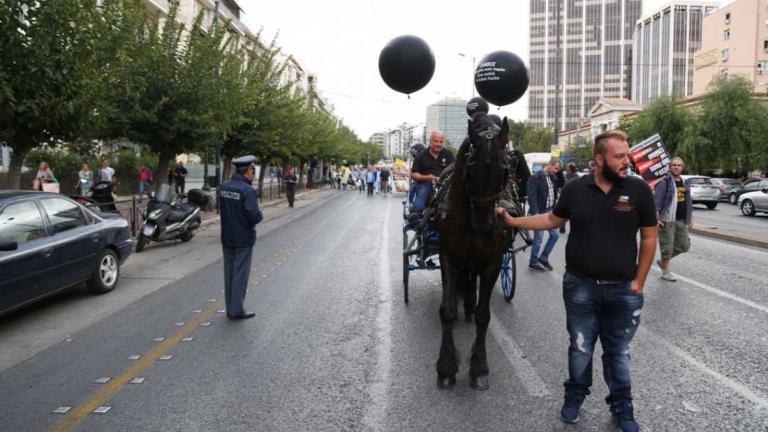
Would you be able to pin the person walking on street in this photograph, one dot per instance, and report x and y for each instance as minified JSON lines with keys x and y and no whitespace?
{"x":542,"y":196}
{"x":572,"y":172}
{"x":239,"y":215}
{"x":180,"y":175}
{"x":145,"y":181}
{"x":675,"y":213}
{"x":170,"y":176}
{"x":85,"y":179}
{"x":384,"y":176}
{"x":290,"y":186}
{"x":426,"y":168}
{"x":602,"y":285}
{"x":370,"y":178}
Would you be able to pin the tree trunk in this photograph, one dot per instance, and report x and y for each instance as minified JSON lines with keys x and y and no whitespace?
{"x":163,"y":162}
{"x":226,"y":171}
{"x":14,"y":171}
{"x":301,"y":170}
{"x":262,"y":172}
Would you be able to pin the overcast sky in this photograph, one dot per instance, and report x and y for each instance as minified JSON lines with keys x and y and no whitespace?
{"x":340,"y":41}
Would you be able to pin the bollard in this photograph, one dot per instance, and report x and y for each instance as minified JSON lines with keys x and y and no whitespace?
{"x":133,"y":216}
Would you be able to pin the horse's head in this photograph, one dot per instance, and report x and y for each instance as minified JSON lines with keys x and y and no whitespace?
{"x":485,"y":168}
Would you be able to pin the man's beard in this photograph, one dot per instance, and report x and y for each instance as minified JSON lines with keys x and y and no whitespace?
{"x":610,"y":175}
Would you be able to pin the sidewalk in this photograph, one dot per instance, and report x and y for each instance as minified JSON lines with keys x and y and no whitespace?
{"x":729,"y":235}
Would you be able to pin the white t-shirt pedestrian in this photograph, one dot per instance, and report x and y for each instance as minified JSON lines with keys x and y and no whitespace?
{"x":106,"y":174}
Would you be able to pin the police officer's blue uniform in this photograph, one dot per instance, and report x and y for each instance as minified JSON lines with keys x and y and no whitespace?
{"x":240,"y":213}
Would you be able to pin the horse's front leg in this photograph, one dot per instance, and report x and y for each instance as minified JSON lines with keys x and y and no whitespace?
{"x":448,"y":363}
{"x":470,"y":295}
{"x":478,"y":370}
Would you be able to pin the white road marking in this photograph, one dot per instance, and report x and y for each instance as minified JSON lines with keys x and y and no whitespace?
{"x":377,"y":389}
{"x":524,"y":370}
{"x":717,"y":292}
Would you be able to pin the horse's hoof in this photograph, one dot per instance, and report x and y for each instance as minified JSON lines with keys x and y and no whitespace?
{"x":446,"y":382}
{"x":479,"y":383}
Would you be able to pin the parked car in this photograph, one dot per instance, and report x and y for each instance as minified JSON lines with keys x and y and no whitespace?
{"x":755,"y":201}
{"x":748,"y":186}
{"x":49,"y":242}
{"x":703,"y":191}
{"x":726,"y":186}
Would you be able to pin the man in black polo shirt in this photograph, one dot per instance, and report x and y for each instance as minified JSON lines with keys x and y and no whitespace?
{"x":427,"y":167}
{"x":604,"y":279}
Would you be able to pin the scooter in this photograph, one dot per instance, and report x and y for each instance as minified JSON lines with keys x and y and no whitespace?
{"x":164,"y":219}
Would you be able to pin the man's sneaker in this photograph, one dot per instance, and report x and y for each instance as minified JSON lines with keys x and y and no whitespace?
{"x":537,"y":266}
{"x":546,"y":264}
{"x":624,"y":416}
{"x":668,"y":276}
{"x":569,"y":413}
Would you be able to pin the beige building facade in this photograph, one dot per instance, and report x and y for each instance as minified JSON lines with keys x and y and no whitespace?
{"x":734,"y":42}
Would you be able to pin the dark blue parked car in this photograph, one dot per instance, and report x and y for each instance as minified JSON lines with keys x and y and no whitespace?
{"x":49,"y":242}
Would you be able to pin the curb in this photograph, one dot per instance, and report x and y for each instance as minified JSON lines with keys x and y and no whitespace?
{"x":729,"y":237}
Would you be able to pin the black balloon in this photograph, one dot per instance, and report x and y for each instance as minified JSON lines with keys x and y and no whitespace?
{"x":476,"y":104}
{"x":496,"y":119}
{"x":501,"y":78}
{"x":406,"y":64}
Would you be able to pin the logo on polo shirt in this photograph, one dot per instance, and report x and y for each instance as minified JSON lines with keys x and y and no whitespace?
{"x":623,"y":204}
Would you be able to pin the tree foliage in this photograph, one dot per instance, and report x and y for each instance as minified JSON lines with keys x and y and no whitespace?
{"x":665,"y":116}
{"x":528,"y":138}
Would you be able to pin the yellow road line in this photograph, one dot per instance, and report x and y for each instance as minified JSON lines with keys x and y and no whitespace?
{"x":77,"y":415}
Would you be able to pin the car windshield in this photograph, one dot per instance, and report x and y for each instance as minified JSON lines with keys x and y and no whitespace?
{"x":699,"y":181}
{"x":730,"y":182}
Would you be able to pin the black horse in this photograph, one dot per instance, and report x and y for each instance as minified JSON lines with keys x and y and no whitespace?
{"x":472,"y":241}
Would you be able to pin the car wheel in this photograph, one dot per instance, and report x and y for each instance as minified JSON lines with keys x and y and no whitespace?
{"x":732,"y":198}
{"x":747,"y":208}
{"x":107,"y":273}
{"x":711,"y":206}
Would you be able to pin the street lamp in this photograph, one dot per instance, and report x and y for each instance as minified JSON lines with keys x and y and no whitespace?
{"x":473,"y":69}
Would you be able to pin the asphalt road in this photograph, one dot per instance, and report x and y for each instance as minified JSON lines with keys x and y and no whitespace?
{"x":727,"y":219}
{"x":334,"y":347}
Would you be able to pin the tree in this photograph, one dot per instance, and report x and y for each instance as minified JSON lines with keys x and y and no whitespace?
{"x":729,"y":132}
{"x":528,"y":138}
{"x":578,"y":152}
{"x":47,"y":72}
{"x":664,"y":116}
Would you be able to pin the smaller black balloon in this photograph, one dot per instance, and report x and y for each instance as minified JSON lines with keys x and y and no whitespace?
{"x":501,"y":78}
{"x":496,"y":119}
{"x":406,"y":64}
{"x":476,"y":104}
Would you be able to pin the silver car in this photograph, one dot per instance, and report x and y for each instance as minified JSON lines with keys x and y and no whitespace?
{"x":703,"y":191}
{"x":756,"y":201}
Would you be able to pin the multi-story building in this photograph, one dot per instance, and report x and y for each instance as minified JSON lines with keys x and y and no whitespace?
{"x":664,"y":44}
{"x":399,"y":140}
{"x":450,"y":116}
{"x":593,"y":62}
{"x":380,"y":139}
{"x":734,"y":42}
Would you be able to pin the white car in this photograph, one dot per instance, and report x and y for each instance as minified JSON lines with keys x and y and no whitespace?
{"x":703,"y":191}
{"x":755,"y":201}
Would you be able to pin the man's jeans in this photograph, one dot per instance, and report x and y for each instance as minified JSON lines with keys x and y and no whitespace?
{"x":612,"y":313}
{"x":538,"y":236}
{"x":144,"y":187}
{"x":421,"y":193}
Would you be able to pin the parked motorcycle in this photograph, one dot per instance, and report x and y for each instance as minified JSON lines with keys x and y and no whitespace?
{"x":165,"y":219}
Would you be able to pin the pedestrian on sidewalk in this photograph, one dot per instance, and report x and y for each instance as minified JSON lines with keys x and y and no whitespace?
{"x":675,"y":213}
{"x":602,"y":285}
{"x":85,"y":180}
{"x":239,"y":215}
{"x":170,"y":176}
{"x":542,"y":196}
{"x":290,"y":186}
{"x":44,"y":179}
{"x":145,"y":181}
{"x":107,"y":174}
{"x":384,"y":176}
{"x":180,"y":175}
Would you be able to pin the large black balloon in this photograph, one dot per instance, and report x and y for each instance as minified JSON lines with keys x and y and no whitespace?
{"x":406,"y":64}
{"x":476,"y":104}
{"x":501,"y":78}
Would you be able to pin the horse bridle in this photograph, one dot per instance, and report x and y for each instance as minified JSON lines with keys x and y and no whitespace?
{"x":489,"y":134}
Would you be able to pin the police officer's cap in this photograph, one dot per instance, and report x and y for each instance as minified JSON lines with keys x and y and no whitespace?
{"x":244,"y":161}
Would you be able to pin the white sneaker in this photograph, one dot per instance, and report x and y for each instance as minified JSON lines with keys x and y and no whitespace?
{"x":668,"y":276}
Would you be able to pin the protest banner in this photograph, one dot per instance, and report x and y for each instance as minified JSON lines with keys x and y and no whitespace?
{"x":651,"y":159}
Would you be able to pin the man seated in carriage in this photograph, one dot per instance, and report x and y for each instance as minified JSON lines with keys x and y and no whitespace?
{"x":426,"y":169}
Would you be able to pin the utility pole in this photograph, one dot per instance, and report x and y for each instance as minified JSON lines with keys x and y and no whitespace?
{"x":218,"y":138}
{"x":473,"y":71}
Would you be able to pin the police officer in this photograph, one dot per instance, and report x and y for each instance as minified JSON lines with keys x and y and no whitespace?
{"x":239,"y":215}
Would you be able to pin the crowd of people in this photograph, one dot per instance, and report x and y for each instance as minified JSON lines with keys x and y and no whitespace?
{"x":371,"y":179}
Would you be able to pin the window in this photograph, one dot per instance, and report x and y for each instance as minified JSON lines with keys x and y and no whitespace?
{"x":765,"y":46}
{"x":728,"y":18}
{"x":21,"y":223}
{"x":762,"y":65}
{"x":63,"y":214}
{"x":725,"y":54}
{"x":724,"y":72}
{"x":727,"y":34}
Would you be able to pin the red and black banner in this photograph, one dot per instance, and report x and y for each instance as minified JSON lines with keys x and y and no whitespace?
{"x":651,"y":159}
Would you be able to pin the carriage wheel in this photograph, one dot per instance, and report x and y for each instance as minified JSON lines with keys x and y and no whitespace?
{"x":508,"y":275}
{"x":406,"y":263}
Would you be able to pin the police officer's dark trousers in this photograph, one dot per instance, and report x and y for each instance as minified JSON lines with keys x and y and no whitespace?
{"x":237,"y":269}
